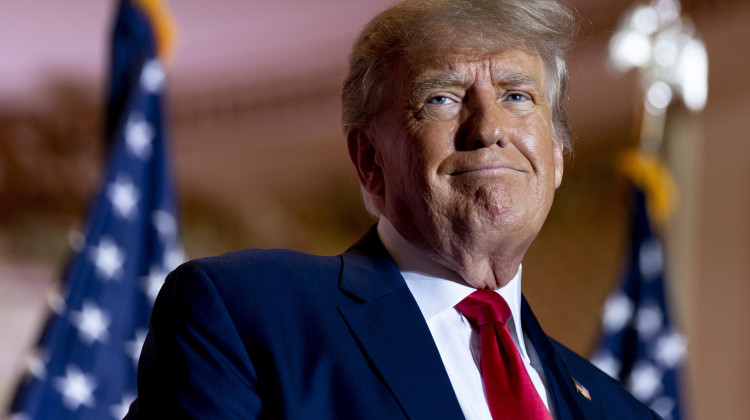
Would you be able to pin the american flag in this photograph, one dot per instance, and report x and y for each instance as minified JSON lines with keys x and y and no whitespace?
{"x":84,"y":365}
{"x":640,"y":346}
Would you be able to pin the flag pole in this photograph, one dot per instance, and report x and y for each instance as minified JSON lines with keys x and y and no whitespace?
{"x":640,"y":345}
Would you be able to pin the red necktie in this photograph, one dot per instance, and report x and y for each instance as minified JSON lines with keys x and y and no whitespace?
{"x":509,"y":390}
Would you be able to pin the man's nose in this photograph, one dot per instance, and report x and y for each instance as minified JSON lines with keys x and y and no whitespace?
{"x":485,"y":125}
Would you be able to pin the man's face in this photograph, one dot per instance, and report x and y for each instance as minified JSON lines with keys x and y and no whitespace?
{"x":468,"y":158}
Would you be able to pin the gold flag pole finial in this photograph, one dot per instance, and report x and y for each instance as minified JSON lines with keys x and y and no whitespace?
{"x":670,"y":57}
{"x":671,"y":60}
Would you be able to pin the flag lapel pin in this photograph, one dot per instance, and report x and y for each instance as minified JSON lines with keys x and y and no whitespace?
{"x":581,"y":389}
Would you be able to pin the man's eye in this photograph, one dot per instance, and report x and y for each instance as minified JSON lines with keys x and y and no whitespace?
{"x":438,"y":100}
{"x":516,"y":97}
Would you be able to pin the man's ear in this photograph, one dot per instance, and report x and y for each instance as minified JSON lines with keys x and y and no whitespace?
{"x":366,"y":160}
{"x":559,"y":161}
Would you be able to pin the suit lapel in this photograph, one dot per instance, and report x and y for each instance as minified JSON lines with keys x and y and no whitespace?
{"x":568,"y":395}
{"x":387,"y":323}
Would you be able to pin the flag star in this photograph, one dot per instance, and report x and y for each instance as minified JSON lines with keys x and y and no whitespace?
{"x":617,"y":312}
{"x":92,"y":323}
{"x":56,"y":302}
{"x":133,"y":347}
{"x":108,"y":259}
{"x":670,"y":349}
{"x":139,"y":134}
{"x":648,"y":320}
{"x":663,"y":406}
{"x":36,"y":364}
{"x":124,"y":197}
{"x":173,"y":256}
{"x":152,"y":283}
{"x":165,"y":224}
{"x":650,"y":261}
{"x":152,"y":76}
{"x":118,"y":411}
{"x":645,"y":381}
{"x":77,"y":388}
{"x":609,"y":364}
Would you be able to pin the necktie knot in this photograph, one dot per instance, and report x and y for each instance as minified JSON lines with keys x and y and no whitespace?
{"x":484,"y":307}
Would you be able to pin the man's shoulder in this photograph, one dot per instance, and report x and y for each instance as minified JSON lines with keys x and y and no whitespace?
{"x":275,"y":261}
{"x":266,"y":269}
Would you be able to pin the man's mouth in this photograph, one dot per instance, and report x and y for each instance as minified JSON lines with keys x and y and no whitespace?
{"x":488,"y":169}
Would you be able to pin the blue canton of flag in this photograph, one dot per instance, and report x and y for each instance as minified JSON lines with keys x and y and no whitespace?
{"x":640,"y":347}
{"x":84,"y":366}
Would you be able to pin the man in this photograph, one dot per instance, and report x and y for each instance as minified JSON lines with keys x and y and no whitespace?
{"x":454,"y":123}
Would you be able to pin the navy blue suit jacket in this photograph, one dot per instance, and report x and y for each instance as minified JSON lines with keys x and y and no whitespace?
{"x":280,"y":334}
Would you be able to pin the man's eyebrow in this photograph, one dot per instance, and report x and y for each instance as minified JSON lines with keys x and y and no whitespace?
{"x":517,"y":79}
{"x":424,"y":84}
{"x":427,"y":83}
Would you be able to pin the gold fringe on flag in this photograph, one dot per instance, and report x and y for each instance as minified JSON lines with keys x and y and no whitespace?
{"x":646,"y":171}
{"x":165,"y":28}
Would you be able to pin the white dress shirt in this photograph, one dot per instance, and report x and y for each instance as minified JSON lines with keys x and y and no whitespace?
{"x":437,"y":291}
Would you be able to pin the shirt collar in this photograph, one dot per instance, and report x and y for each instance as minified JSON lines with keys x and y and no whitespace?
{"x":435,"y":287}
